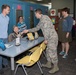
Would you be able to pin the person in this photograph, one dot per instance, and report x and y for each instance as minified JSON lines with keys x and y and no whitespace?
{"x":21,"y":25}
{"x":4,"y":21}
{"x":64,"y":31}
{"x":51,"y":39}
{"x":15,"y":34}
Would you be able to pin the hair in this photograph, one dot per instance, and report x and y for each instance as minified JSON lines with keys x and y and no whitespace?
{"x":66,"y":10}
{"x":38,"y":11}
{"x":5,"y":6}
{"x":19,"y":18}
{"x":15,"y":26}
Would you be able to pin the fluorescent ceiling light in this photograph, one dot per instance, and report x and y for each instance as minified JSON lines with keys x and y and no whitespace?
{"x":39,"y":0}
{"x":49,"y":3}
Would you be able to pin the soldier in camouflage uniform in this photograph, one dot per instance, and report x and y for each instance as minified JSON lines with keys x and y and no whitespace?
{"x":51,"y":39}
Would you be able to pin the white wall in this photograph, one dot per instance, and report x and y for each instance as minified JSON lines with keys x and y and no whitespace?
{"x":48,"y":5}
{"x":59,"y":4}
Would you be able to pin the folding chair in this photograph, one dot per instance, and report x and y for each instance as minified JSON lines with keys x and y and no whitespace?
{"x":43,"y":46}
{"x":30,"y":60}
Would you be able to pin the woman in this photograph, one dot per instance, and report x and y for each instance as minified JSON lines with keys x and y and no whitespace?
{"x":21,"y":24}
{"x":64,"y":31}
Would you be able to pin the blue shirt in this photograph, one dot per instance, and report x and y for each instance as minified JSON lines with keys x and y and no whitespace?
{"x":4,"y":21}
{"x":22,"y":26}
{"x":67,"y":24}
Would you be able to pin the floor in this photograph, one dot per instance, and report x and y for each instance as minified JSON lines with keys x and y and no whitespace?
{"x":67,"y":66}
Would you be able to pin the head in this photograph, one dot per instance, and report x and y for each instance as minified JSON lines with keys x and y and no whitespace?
{"x":65,"y":11}
{"x":15,"y":29}
{"x":20,"y":19}
{"x":38,"y":13}
{"x":5,"y":9}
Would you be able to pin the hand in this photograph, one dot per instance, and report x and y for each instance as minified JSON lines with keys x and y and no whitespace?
{"x":67,"y":35}
{"x":45,"y":42}
{"x":25,"y":31}
{"x":21,"y":33}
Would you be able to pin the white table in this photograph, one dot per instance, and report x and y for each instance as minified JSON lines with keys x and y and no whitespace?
{"x":14,"y":51}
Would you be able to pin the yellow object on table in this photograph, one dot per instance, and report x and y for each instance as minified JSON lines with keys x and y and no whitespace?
{"x":30,"y":36}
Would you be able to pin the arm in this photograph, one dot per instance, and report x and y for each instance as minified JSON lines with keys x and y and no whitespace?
{"x":48,"y":26}
{"x":70,"y":24}
{"x":46,"y":32}
{"x":38,"y":27}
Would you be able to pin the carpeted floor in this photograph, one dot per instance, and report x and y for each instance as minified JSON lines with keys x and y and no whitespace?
{"x":67,"y":66}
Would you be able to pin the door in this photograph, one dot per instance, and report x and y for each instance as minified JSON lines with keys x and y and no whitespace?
{"x":18,"y":13}
{"x":31,"y":19}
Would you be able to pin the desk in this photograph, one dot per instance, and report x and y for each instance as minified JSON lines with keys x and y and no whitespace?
{"x":14,"y":51}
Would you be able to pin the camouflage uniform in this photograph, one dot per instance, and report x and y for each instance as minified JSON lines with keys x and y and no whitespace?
{"x":50,"y":35}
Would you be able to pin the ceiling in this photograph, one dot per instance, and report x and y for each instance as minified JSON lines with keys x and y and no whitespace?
{"x":40,"y":2}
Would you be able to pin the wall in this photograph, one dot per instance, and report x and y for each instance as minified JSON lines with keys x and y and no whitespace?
{"x":59,"y":4}
{"x":34,"y":6}
{"x":12,"y":14}
{"x":26,"y":12}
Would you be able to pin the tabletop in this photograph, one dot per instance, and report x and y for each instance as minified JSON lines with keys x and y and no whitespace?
{"x":24,"y":46}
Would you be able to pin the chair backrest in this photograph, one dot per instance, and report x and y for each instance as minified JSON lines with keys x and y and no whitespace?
{"x":43,"y":46}
{"x":30,"y":36}
{"x":36,"y":55}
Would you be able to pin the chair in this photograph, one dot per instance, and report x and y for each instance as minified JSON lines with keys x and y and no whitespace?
{"x":42,"y":45}
{"x":30,"y":60}
{"x":33,"y":49}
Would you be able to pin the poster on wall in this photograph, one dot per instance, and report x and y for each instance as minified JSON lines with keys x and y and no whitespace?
{"x":53,"y":12}
{"x":53,"y":20}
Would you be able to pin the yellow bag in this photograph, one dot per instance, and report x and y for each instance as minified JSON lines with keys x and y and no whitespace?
{"x":30,"y":36}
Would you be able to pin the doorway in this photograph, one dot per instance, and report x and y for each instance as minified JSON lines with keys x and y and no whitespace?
{"x":18,"y":13}
{"x":31,"y":19}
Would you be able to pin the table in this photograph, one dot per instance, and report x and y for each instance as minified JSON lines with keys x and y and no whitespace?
{"x":14,"y":51}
